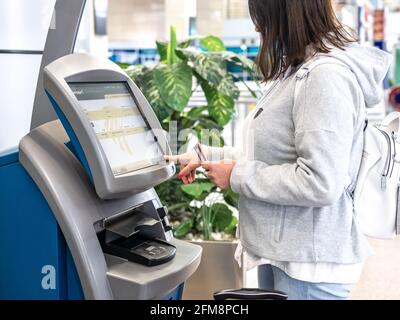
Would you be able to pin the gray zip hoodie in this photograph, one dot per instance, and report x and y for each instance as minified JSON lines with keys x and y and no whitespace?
{"x":296,"y":186}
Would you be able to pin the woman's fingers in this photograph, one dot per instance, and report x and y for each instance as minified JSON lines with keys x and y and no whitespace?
{"x":188,"y":169}
{"x":171,"y":158}
{"x":193,"y":176}
{"x":208,"y":166}
{"x":180,"y":159}
{"x":185,"y":180}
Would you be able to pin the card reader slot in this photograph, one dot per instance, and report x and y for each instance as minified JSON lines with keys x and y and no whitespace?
{"x":142,"y":250}
{"x":129,"y":223}
{"x":135,"y":235}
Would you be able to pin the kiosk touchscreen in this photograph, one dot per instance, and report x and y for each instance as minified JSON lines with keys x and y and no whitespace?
{"x":124,"y":134}
{"x":112,"y":127}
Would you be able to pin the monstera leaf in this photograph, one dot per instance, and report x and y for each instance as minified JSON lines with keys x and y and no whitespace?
{"x":175,"y":84}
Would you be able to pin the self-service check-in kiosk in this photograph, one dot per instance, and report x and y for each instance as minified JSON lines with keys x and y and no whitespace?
{"x":84,"y":220}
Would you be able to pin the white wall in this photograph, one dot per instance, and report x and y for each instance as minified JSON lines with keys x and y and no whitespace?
{"x":211,"y":15}
{"x":136,"y":23}
{"x":23,"y":26}
{"x":87,"y":41}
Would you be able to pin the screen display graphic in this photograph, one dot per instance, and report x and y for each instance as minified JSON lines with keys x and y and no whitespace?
{"x":124,"y":135}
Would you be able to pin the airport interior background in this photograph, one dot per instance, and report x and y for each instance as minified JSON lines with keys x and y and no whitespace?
{"x":135,"y":34}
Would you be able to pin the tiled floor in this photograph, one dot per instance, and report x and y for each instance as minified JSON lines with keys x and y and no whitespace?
{"x":381,"y":276}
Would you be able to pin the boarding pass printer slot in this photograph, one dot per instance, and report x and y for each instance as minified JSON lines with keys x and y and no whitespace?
{"x":138,"y":235}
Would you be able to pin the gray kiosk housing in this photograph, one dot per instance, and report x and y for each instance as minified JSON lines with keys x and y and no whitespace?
{"x":85,"y":207}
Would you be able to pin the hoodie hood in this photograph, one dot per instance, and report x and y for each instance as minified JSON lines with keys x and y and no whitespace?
{"x":370,"y":66}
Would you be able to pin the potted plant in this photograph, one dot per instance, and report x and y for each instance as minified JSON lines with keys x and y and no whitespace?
{"x":199,"y":211}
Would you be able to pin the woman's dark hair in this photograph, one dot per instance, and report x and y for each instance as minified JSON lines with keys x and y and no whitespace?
{"x":287,"y":27}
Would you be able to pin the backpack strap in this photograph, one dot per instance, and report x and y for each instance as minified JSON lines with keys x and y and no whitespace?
{"x":307,"y":67}
{"x":302,"y":74}
{"x":392,"y":123}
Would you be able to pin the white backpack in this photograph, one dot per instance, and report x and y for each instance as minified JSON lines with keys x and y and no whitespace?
{"x":376,"y":196}
{"x":377,"y":191}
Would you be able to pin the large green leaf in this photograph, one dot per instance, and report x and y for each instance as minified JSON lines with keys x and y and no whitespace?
{"x":245,"y":64}
{"x":183,"y":229}
{"x":175,"y":84}
{"x":232,"y":226}
{"x":123,"y":65}
{"x":207,"y":122}
{"x":222,"y":115}
{"x":227,"y":87}
{"x":144,"y":78}
{"x":185,"y":44}
{"x":212,"y":43}
{"x":136,"y":71}
{"x":196,"y":112}
{"x":237,"y":59}
{"x":222,"y":216}
{"x":231,"y":197}
{"x":172,"y":45}
{"x":255,"y":93}
{"x":196,"y":189}
{"x":210,"y":68}
{"x":220,"y":107}
{"x":162,"y":48}
{"x":213,"y":69}
{"x":186,"y":54}
{"x":211,"y":138}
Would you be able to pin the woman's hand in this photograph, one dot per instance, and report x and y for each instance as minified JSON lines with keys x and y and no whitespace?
{"x":220,"y":172}
{"x":188,"y":162}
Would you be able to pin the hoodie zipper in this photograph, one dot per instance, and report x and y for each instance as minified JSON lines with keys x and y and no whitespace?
{"x":266,"y":95}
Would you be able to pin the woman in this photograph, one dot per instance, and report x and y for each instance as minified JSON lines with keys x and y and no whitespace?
{"x":296,"y":172}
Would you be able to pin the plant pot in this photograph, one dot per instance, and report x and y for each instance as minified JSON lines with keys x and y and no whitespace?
{"x":218,"y":270}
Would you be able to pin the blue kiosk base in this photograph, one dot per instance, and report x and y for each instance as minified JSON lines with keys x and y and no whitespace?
{"x":35,"y":263}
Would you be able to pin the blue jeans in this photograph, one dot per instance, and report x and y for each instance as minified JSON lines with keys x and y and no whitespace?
{"x":272,"y":278}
